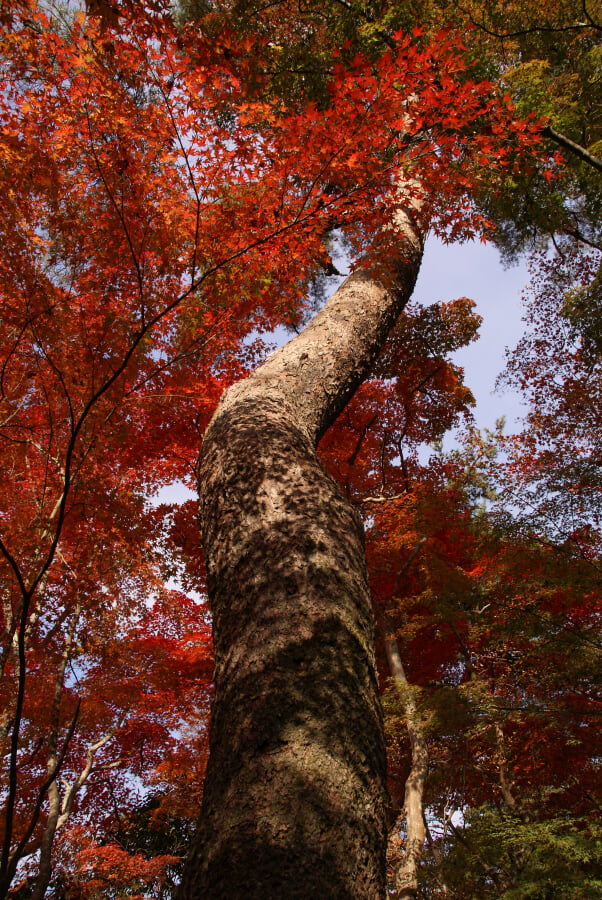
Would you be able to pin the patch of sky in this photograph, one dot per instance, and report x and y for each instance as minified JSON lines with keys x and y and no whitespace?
{"x":474,"y":270}
{"x":448,"y":271}
{"x":176,"y":492}
{"x":471,"y":270}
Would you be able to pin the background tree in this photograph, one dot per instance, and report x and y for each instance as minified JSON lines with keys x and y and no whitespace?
{"x":497,"y":636}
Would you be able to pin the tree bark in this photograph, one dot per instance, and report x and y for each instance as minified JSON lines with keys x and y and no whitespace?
{"x":295,"y":796}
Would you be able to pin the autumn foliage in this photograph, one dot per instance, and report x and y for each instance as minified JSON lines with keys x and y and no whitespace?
{"x":162,"y":211}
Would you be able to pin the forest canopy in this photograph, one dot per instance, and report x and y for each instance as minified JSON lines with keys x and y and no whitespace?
{"x":177,"y":183}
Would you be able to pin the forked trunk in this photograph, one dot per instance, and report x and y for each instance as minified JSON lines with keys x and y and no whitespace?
{"x":295,"y":796}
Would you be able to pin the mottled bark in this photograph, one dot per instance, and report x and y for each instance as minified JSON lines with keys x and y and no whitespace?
{"x":295,"y":797}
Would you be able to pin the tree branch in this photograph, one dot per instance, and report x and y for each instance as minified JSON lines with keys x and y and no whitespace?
{"x":576,"y":149}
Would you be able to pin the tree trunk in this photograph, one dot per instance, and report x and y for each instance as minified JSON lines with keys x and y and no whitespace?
{"x":406,"y":876}
{"x":295,"y":797}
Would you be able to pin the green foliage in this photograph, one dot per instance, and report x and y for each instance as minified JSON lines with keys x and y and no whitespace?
{"x":501,"y":855}
{"x":549,"y":60}
{"x":582,"y":307}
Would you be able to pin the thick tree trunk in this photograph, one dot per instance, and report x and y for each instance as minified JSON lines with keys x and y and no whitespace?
{"x":295,"y":796}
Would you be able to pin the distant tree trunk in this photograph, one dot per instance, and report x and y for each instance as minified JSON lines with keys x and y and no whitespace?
{"x":405,"y":883}
{"x":295,"y":797}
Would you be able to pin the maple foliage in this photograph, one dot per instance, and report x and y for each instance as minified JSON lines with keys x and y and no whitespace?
{"x":416,"y":395}
{"x":159,"y":212}
{"x":554,"y":462}
{"x":498,"y":637}
{"x":546,"y":57}
{"x":495,"y":611}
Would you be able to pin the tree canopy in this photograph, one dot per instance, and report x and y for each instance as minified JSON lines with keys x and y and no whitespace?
{"x":176,"y":185}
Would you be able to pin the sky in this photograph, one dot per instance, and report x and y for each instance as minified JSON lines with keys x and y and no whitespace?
{"x":474,"y":270}
{"x":464,"y":270}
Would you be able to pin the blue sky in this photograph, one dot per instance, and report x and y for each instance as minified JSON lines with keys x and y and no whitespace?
{"x":474,"y":270}
{"x":466,"y":270}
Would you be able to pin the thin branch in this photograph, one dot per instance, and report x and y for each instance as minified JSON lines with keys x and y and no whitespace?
{"x":578,"y":235}
{"x":384,"y":499}
{"x":8,"y":868}
{"x":360,"y":440}
{"x":535,"y":29}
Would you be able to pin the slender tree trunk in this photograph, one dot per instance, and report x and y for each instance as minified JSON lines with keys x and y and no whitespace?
{"x":295,"y":797}
{"x":406,"y":876}
{"x":54,"y":800}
